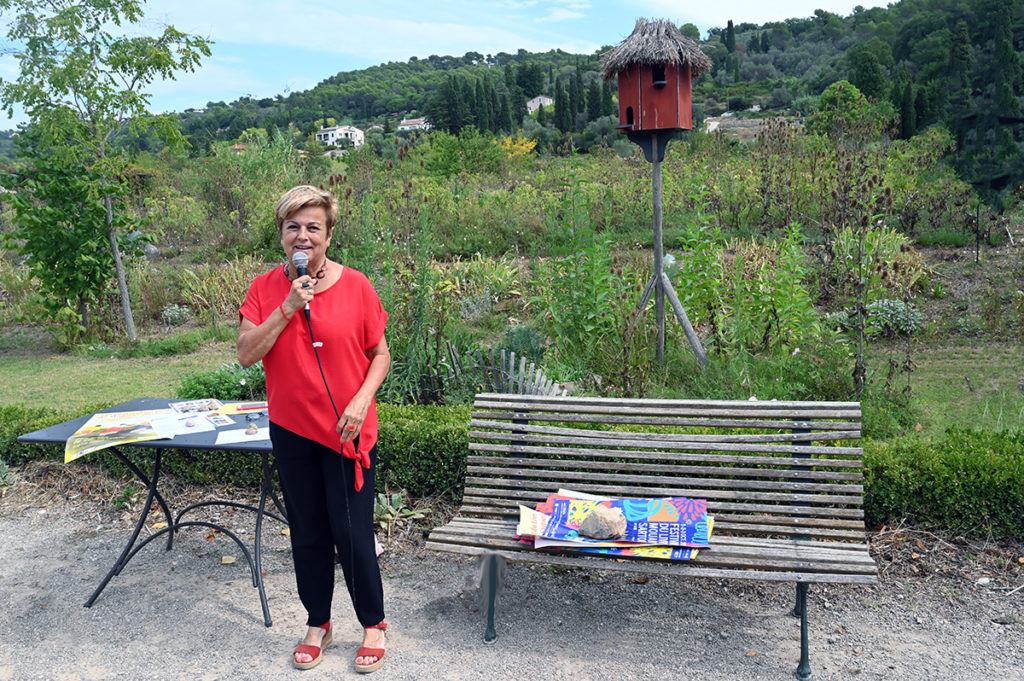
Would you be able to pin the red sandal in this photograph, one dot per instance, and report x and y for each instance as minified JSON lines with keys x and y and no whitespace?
{"x":315,"y":652}
{"x":372,"y":652}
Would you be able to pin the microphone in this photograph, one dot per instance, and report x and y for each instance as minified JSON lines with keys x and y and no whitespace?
{"x":301,"y":262}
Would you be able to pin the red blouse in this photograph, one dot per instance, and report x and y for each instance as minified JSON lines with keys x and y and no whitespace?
{"x":347,"y":320}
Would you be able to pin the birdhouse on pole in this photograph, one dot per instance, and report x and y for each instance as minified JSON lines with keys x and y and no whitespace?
{"x":655,"y":66}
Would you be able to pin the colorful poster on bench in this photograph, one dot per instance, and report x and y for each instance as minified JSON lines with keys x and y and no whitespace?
{"x":672,"y":521}
{"x":532,"y":525}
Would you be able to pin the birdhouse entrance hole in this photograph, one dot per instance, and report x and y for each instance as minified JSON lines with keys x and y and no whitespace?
{"x":658,"y":75}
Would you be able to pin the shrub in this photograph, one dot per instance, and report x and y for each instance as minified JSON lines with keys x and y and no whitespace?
{"x":423,"y":449}
{"x":523,"y":341}
{"x":891,"y":318}
{"x":175,"y":315}
{"x":966,"y":481}
{"x":886,"y":317}
{"x":16,"y":421}
{"x":230,"y":382}
{"x":948,"y":237}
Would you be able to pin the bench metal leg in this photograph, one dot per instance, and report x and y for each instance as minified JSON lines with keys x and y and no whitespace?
{"x":491,"y":578}
{"x":803,"y":670}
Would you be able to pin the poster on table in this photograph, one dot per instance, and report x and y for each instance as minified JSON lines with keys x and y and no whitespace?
{"x":112,"y":429}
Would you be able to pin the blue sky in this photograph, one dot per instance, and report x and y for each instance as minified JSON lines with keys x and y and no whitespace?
{"x":268,"y":47}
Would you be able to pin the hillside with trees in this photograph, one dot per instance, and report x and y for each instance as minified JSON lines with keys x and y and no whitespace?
{"x":953,"y":63}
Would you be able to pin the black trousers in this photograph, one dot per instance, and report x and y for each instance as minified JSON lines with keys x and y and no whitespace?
{"x":326,"y":514}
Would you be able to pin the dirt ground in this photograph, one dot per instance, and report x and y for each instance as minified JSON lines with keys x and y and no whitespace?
{"x":946,"y":608}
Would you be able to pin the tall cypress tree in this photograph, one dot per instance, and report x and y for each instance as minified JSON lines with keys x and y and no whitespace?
{"x":908,"y":112}
{"x":497,"y":117}
{"x":730,"y":37}
{"x":455,"y":104}
{"x":505,"y":114}
{"x":563,"y":114}
{"x":482,"y":122}
{"x":607,"y":104}
{"x":594,"y":102}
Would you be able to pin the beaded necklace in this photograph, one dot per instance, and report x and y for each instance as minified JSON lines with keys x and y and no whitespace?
{"x":320,"y":273}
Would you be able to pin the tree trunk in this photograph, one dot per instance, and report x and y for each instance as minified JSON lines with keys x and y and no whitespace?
{"x":83,"y":311}
{"x":122,"y":282}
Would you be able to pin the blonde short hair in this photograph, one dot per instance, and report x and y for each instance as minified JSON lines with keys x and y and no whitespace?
{"x":306,"y":196}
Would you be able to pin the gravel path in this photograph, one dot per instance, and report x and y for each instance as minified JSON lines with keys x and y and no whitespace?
{"x":185,"y":615}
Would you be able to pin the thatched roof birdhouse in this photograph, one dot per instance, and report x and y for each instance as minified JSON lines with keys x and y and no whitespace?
{"x":655,"y":66}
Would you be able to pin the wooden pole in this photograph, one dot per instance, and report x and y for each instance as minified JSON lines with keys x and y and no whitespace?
{"x":691,"y":335}
{"x":659,"y":286}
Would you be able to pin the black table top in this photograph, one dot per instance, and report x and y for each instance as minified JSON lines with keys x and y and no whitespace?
{"x":206,"y":440}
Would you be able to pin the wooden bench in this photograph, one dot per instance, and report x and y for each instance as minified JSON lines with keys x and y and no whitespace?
{"x":783,"y":486}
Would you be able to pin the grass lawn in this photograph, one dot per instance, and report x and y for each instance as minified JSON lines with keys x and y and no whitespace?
{"x":71,"y":382}
{"x":940,"y":390}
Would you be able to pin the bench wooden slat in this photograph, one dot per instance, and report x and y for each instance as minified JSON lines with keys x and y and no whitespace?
{"x":700,"y":447}
{"x":645,"y":406}
{"x":692,"y":422}
{"x":665,"y":437}
{"x":722,"y":556}
{"x":654,"y":403}
{"x":694,"y":412}
{"x":795,"y":505}
{"x":675,"y":569}
{"x":782,"y":531}
{"x":480,"y":464}
{"x":507,"y":527}
{"x":492,"y":501}
{"x":500,"y":476}
{"x":696,"y":457}
{"x":636,"y":492}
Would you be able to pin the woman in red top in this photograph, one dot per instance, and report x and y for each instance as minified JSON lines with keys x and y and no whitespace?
{"x":321,"y":338}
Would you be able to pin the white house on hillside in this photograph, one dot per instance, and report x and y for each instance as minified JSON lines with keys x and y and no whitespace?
{"x":335,"y":135}
{"x":414,"y":124}
{"x":537,"y":102}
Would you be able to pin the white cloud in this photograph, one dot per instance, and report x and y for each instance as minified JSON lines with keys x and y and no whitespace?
{"x":560,"y":14}
{"x":370,"y":38}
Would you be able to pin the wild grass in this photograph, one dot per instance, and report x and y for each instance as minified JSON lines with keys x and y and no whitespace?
{"x":966,"y":384}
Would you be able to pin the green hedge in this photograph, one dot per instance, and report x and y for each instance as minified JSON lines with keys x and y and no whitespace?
{"x":422,"y":449}
{"x":15,"y":421}
{"x":968,"y":482}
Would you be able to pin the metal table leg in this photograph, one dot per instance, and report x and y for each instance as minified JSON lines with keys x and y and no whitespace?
{"x":127,"y":553}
